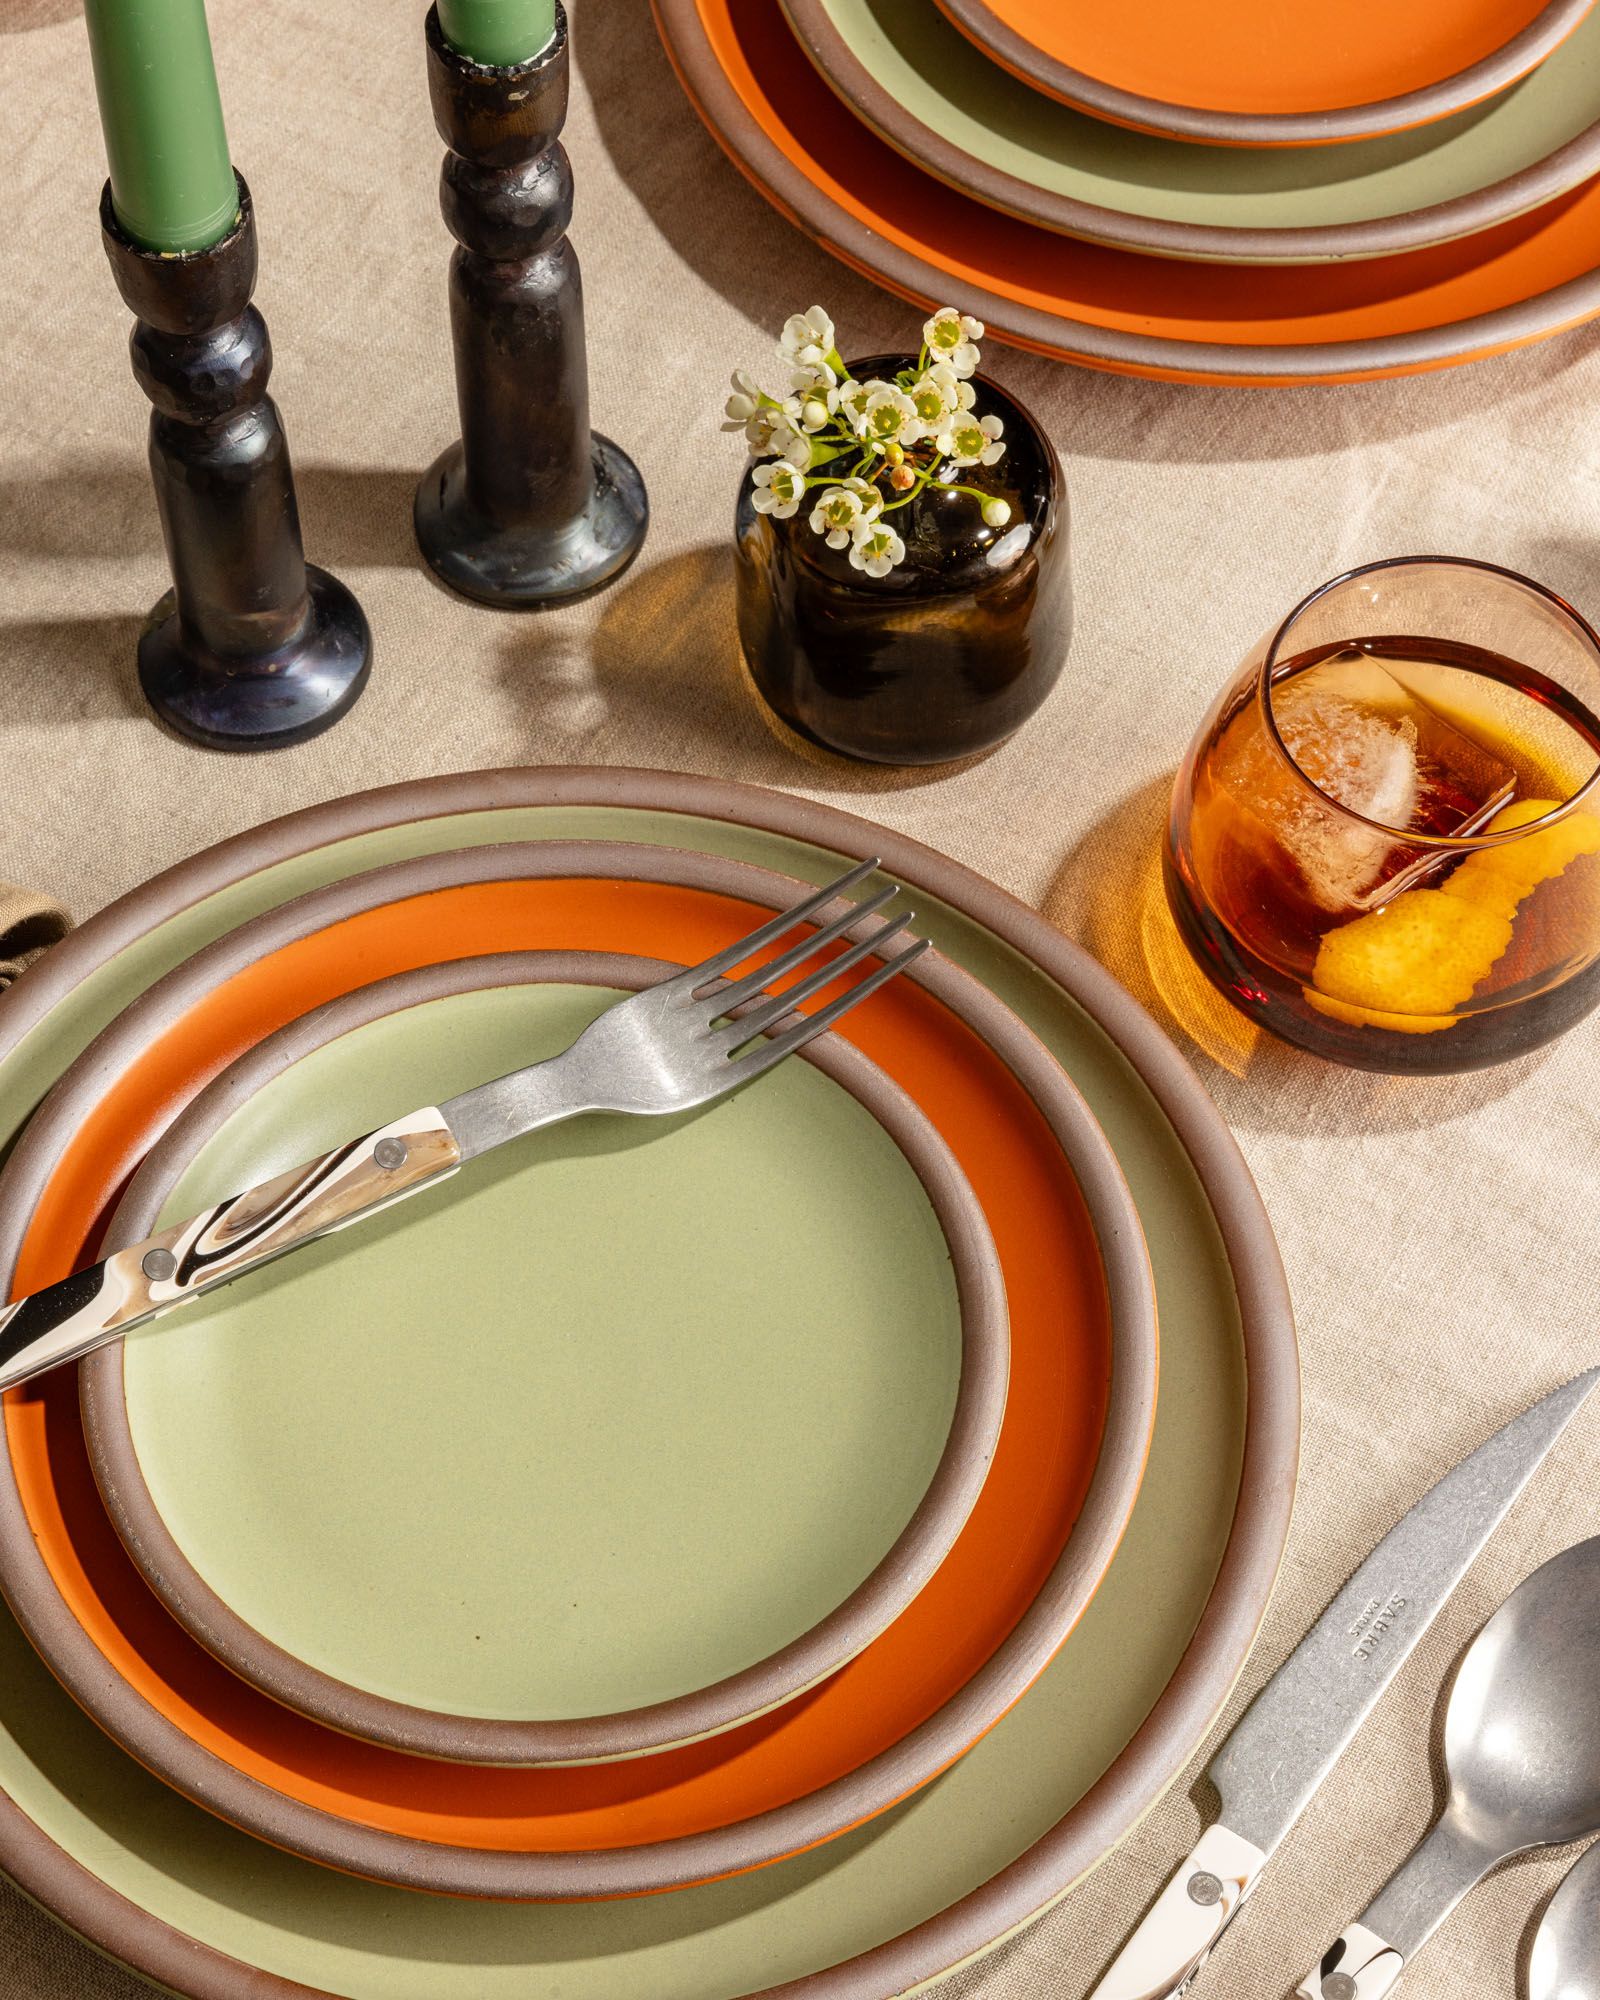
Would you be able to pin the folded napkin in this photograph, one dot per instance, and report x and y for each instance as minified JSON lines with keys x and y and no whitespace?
{"x":29,"y":924}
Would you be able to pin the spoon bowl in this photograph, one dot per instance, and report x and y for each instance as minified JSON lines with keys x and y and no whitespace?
{"x":1566,"y":1952}
{"x":1522,"y":1747}
{"x":1522,"y":1731}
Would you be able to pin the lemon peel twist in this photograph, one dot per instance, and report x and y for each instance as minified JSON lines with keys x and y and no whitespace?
{"x":1409,"y":965}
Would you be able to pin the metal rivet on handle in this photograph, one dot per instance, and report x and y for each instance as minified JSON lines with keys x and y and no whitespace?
{"x":390,"y":1154}
{"x":1338,"y":1986}
{"x":159,"y":1265}
{"x":1205,"y":1889}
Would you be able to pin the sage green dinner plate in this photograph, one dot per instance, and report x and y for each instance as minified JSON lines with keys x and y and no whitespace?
{"x":641,"y":1427}
{"x":911,"y":75}
{"x":209,"y":1912}
{"x":1056,"y":1496}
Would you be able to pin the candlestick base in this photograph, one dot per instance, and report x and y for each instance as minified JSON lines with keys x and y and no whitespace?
{"x":275,"y":698}
{"x":505,"y":566}
{"x":252,"y":648}
{"x":529,"y":508}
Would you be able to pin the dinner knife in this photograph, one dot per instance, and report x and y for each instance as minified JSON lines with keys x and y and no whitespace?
{"x":1300,"y":1724}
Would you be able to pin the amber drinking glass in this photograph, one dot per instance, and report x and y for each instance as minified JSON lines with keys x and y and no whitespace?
{"x":1385,"y":840}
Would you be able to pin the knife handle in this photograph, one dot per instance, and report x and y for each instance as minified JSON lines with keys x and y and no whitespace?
{"x":1183,"y":1924}
{"x":1359,"y":1967}
{"x":83,"y":1312}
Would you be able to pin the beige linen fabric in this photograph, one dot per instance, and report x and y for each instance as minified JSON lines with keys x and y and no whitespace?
{"x":1440,"y":1237}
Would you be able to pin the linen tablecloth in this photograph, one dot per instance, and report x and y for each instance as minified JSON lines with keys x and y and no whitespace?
{"x":1439,"y":1236}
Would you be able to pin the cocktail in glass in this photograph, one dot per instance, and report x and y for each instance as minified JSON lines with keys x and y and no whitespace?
{"x":1385,"y":840}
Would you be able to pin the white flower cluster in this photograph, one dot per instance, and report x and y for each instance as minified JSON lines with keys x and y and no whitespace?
{"x":903,"y":434}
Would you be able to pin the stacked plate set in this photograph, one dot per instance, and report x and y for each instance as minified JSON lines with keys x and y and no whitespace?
{"x":1199,"y":190}
{"x":766,"y":1550}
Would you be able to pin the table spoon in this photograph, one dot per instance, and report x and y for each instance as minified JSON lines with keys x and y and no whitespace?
{"x":1566,"y":1952}
{"x":1522,"y":1747}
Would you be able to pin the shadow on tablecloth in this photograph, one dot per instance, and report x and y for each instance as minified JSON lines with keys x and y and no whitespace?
{"x":17,"y":17}
{"x":353,"y":516}
{"x":662,"y":656}
{"x":1108,"y":896}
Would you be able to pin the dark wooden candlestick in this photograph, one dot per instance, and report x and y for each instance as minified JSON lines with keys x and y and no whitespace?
{"x":251,"y":649}
{"x":529,"y":507}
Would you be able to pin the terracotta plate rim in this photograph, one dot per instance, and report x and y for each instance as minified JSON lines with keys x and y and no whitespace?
{"x":891,"y":1773}
{"x":1222,"y":1641}
{"x":1037,"y":67}
{"x":895,"y":1580}
{"x":923,"y":284}
{"x":925,"y":146}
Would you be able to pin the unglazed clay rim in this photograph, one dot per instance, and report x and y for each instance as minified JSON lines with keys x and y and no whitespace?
{"x":900,"y":271}
{"x":1176,"y":1725}
{"x":1495,"y":72}
{"x":894,"y":1582}
{"x":926,"y":146}
{"x":893,"y":1773}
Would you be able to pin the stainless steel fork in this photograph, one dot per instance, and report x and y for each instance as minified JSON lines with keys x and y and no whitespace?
{"x":692,"y":1038}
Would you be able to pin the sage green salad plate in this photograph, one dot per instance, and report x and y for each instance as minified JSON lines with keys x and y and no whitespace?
{"x":627,"y":1437}
{"x":911,"y":75}
{"x":1104,"y":1730}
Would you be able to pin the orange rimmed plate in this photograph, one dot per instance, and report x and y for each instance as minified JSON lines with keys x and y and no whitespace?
{"x":1258,"y":73}
{"x":1107,"y":308}
{"x":1062,"y":1482}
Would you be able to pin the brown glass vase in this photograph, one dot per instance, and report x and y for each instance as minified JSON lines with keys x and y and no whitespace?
{"x":951,"y":651}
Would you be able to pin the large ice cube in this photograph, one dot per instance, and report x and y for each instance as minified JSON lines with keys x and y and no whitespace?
{"x":1369,"y":741}
{"x":1458,"y":782}
{"x":1343,"y":726}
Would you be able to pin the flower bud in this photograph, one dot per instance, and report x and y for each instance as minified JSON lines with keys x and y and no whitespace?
{"x":902,"y":479}
{"x":894,"y":453}
{"x":997,"y":512}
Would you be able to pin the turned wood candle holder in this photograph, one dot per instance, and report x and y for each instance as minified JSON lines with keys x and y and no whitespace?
{"x":529,"y":507}
{"x":252,"y":648}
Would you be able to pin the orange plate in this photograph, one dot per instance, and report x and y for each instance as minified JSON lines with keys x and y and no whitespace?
{"x":1263,"y":59}
{"x":1048,"y":1448}
{"x":1115,"y":309}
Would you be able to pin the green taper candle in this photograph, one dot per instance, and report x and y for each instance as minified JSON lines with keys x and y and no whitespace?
{"x":172,"y":183}
{"x":498,"y":32}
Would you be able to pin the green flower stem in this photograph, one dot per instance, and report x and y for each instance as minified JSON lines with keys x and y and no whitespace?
{"x":905,"y":500}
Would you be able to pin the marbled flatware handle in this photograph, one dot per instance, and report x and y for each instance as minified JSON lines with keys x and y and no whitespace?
{"x":1359,"y":1967}
{"x":82,"y":1312}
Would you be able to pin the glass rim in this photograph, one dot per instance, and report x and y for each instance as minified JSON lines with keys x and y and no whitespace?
{"x":1462,"y":843}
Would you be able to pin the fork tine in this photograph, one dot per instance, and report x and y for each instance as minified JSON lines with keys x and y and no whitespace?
{"x":778,"y":1046}
{"x":740,"y":990}
{"x":747,"y":1026}
{"x":769,"y":933}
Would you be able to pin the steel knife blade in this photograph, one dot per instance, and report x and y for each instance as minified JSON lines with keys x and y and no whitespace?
{"x":1302,"y":1721}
